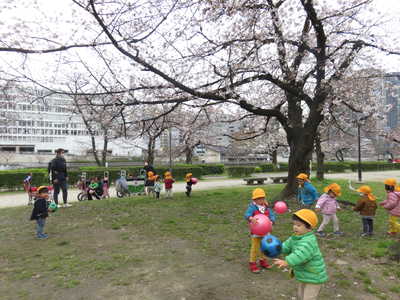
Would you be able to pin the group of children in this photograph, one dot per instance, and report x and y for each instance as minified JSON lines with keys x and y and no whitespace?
{"x":153,"y":184}
{"x":97,"y":189}
{"x":301,"y":249}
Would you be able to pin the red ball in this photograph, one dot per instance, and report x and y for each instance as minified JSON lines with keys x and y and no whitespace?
{"x":262,"y":226}
{"x":280,"y":207}
{"x":194,"y":180}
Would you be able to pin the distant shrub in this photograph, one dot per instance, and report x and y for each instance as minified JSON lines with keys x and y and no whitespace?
{"x":239,"y":171}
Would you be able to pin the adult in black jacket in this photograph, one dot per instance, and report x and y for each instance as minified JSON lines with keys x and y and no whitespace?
{"x":59,"y":176}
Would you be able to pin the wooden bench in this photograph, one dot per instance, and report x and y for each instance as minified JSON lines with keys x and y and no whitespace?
{"x":255,"y":180}
{"x":279,"y":179}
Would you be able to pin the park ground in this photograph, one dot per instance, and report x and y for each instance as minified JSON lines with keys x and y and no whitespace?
{"x":181,"y":248}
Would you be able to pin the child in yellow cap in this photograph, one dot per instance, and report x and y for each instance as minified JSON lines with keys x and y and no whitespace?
{"x":303,"y":255}
{"x":189,"y":183}
{"x":41,"y":211}
{"x":168,"y":182}
{"x":306,"y":192}
{"x":392,"y":205}
{"x":258,"y":205}
{"x":366,"y":206}
{"x":328,"y":205}
{"x":149,"y":183}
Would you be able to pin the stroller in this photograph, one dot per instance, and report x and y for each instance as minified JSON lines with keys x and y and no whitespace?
{"x":82,"y":185}
{"x":32,"y":193}
{"x":129,"y":185}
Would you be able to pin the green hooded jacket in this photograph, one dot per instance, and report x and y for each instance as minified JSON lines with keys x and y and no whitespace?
{"x":305,"y":258}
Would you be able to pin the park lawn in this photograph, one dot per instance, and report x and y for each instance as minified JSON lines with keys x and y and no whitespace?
{"x":197,"y":248}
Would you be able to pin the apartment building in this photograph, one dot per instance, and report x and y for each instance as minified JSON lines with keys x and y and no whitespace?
{"x":32,"y":123}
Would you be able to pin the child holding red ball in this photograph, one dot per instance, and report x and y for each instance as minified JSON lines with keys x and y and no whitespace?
{"x":189,"y":183}
{"x":258,"y":206}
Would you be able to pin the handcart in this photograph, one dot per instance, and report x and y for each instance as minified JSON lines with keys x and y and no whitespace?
{"x":129,"y":185}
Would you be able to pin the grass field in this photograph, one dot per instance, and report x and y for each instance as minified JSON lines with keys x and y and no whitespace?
{"x":180,"y":248}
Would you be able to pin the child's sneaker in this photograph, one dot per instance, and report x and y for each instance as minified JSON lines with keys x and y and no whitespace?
{"x":254,"y":268}
{"x":264,"y":264}
{"x":338,"y":233}
{"x":67,"y":205}
{"x":364,"y":234}
{"x":42,"y":236}
{"x":320,"y":233}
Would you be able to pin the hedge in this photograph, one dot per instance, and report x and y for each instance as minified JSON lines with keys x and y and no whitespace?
{"x":334,"y":167}
{"x":13,"y":179}
{"x":239,"y":171}
{"x":374,"y":166}
{"x":271,"y":168}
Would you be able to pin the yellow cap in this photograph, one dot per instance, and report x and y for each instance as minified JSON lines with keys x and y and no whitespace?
{"x":365,"y":189}
{"x":390,"y":181}
{"x":308,"y":216}
{"x":42,"y":187}
{"x":258,"y":193}
{"x":334,"y":187}
{"x":302,"y":176}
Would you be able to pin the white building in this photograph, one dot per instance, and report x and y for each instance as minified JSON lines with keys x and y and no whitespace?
{"x":38,"y":124}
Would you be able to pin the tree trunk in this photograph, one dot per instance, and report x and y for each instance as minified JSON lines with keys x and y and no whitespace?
{"x":274,"y":158}
{"x":320,"y":158}
{"x":150,"y":150}
{"x":189,"y":155}
{"x":301,"y":144}
{"x":94,"y":151}
{"x":105,"y":149}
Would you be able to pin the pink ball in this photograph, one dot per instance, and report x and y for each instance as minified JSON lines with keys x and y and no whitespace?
{"x":280,"y":207}
{"x":262,"y":226}
{"x":194,"y":180}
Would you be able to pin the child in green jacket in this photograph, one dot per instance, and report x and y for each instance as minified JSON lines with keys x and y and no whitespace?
{"x":304,"y":256}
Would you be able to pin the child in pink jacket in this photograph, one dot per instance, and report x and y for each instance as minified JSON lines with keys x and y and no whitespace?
{"x":328,"y":206}
{"x":392,"y":205}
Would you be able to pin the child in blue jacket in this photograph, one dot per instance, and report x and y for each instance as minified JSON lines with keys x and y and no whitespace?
{"x":306,"y":194}
{"x":258,"y":206}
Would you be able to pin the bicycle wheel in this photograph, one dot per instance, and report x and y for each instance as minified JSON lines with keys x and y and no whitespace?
{"x":82,"y":196}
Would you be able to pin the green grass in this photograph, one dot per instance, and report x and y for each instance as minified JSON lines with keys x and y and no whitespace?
{"x":120,"y":247}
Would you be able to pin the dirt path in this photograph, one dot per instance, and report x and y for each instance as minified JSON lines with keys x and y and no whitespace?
{"x":19,"y":198}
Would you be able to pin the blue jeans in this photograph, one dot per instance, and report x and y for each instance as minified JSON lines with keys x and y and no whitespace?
{"x":368,"y":224}
{"x":40,"y":226}
{"x":64,"y":187}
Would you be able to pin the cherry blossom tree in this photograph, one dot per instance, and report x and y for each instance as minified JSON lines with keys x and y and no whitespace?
{"x":357,"y":102}
{"x":100,"y":121}
{"x":276,"y":59}
{"x":196,"y":127}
